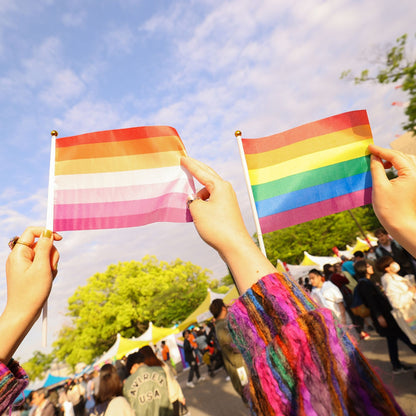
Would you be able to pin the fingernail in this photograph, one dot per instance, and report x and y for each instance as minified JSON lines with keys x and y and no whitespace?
{"x":47,"y":233}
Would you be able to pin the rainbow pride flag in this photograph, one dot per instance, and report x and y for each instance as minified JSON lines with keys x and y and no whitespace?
{"x":311,"y":171}
{"x":120,"y":178}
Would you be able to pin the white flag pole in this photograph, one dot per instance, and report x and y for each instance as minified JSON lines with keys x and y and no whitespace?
{"x":250,"y":192}
{"x":49,"y":225}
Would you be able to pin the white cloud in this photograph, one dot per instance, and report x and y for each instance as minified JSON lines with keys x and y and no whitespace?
{"x":87,"y":116}
{"x":119,"y":41}
{"x":64,"y":85}
{"x":74,"y":18}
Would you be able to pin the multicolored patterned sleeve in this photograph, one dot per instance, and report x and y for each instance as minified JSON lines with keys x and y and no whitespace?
{"x":13,"y":381}
{"x":300,"y":361}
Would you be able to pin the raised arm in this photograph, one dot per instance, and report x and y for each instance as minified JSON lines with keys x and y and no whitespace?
{"x":30,"y":269}
{"x":394,"y":201}
{"x":218,"y":220}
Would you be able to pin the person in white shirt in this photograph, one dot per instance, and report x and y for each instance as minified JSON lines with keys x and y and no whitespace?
{"x":327,"y":295}
{"x":401,"y":295}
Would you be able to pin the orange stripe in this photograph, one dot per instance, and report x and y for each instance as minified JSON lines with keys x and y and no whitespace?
{"x":308,"y":146}
{"x":317,"y":128}
{"x":118,"y":164}
{"x":124,"y":148}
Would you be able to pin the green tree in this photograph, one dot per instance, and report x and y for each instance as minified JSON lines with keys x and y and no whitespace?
{"x":397,"y":66}
{"x":38,"y":365}
{"x":227,"y":280}
{"x":319,"y":236}
{"x":124,"y":299}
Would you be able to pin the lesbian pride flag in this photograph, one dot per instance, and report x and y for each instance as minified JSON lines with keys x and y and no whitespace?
{"x":311,"y":171}
{"x":120,"y":178}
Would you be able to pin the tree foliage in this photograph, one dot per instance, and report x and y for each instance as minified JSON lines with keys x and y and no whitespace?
{"x":124,"y":299}
{"x":319,"y":236}
{"x":38,"y":365}
{"x":397,"y":66}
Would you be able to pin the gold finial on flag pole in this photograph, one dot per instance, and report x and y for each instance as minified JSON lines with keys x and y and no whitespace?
{"x":250,"y":192}
{"x":54,"y":133}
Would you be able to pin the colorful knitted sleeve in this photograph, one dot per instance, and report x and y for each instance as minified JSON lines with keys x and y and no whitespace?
{"x":300,"y":361}
{"x":13,"y":381}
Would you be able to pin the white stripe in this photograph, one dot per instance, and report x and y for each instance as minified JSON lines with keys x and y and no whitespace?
{"x":127,"y":178}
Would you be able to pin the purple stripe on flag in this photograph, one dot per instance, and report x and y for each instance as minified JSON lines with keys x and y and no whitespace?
{"x":313,"y":211}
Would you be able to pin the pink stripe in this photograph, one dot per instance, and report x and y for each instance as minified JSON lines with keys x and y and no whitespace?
{"x":119,"y":193}
{"x":160,"y":215}
{"x":120,"y":208}
{"x":320,"y":209}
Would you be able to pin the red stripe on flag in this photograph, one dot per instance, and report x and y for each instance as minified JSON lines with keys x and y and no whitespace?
{"x":317,"y":128}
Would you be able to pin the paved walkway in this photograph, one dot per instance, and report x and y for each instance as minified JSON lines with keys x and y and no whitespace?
{"x":403,"y":386}
{"x":216,"y":396}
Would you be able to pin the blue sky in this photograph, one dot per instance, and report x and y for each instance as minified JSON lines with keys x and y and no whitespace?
{"x":205,"y":67}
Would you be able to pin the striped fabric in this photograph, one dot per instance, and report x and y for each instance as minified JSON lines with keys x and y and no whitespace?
{"x":310,"y":171}
{"x":300,"y":362}
{"x":120,"y":178}
{"x":13,"y":381}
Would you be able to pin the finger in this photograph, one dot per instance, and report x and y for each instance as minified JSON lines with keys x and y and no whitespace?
{"x":31,"y":233}
{"x":378,"y":173}
{"x":202,"y":172}
{"x":54,"y":258}
{"x":396,"y":158}
{"x":43,"y":250}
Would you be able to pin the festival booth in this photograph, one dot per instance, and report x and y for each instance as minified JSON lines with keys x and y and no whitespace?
{"x":202,"y":313}
{"x":362,"y":245}
{"x":125,"y":346}
{"x":155,"y":334}
{"x":309,"y":260}
{"x":122,"y":346}
{"x":50,"y":382}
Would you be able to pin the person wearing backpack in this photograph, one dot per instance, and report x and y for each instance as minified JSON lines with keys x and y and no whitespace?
{"x":380,"y":312}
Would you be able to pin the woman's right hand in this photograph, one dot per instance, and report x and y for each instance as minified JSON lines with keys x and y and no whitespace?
{"x":215,"y":211}
{"x":218,"y":220}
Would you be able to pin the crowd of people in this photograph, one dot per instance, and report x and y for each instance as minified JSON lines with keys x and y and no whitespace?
{"x":111,"y":390}
{"x":386,"y":286}
{"x":139,"y":384}
{"x":297,"y":358}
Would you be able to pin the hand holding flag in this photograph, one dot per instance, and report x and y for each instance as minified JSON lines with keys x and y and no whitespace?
{"x":217,"y":218}
{"x":394,"y":201}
